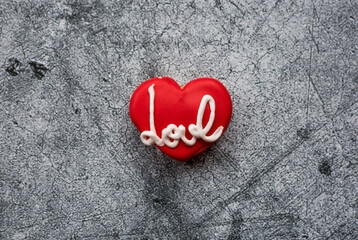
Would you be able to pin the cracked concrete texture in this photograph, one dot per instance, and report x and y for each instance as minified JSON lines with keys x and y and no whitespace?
{"x":72,"y":165}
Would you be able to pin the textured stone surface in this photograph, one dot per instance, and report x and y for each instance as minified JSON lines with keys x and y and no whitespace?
{"x":72,"y":165}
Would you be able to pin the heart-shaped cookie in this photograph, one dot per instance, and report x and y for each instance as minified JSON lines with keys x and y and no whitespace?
{"x":181,"y":121}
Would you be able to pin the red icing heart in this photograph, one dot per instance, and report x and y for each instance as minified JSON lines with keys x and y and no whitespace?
{"x":180,"y":106}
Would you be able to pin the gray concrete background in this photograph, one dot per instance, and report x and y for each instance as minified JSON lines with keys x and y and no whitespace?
{"x":73,"y":166}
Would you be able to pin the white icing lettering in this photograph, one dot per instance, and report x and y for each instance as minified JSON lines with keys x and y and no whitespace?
{"x":172,"y":133}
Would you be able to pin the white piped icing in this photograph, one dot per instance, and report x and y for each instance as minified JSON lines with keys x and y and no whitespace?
{"x":172,"y":134}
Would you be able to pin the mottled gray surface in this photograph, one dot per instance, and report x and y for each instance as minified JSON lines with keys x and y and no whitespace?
{"x":72,"y":164}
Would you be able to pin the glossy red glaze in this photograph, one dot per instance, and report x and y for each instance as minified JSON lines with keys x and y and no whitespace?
{"x":179,"y":106}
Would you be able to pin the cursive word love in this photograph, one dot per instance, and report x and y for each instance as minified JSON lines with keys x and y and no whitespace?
{"x":172,"y":134}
